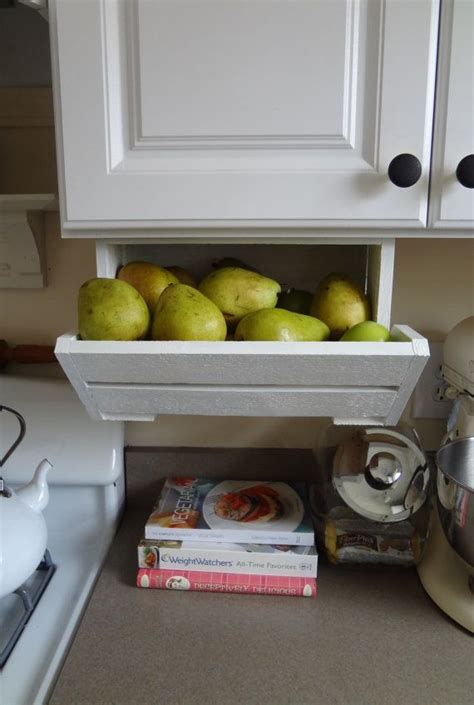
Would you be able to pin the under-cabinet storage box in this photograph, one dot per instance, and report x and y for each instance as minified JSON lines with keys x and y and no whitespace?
{"x":351,"y":382}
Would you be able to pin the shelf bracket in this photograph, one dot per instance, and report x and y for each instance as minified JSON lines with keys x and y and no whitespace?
{"x":22,"y":246}
{"x":41,"y":6}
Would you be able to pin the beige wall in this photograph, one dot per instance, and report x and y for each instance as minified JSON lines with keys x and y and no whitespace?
{"x":433,"y":285}
{"x":39,"y":315}
{"x":433,"y":290}
{"x":24,"y":48}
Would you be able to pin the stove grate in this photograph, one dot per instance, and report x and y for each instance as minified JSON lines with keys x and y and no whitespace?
{"x":29,"y":593}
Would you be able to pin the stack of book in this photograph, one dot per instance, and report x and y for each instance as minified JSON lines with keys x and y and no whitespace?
{"x":230,"y":536}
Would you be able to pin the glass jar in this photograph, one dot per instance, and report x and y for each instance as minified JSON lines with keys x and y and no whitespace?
{"x":371,"y":495}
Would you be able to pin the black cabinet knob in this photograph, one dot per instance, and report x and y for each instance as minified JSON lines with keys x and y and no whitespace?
{"x":465,"y":171}
{"x":404,"y":170}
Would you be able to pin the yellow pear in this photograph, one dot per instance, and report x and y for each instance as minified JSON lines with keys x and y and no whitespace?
{"x":340,"y":303}
{"x":237,"y":292}
{"x":147,"y":278}
{"x":183,"y":313}
{"x":110,"y":309}
{"x":280,"y":324}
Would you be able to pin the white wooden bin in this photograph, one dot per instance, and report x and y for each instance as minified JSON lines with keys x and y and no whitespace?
{"x":351,"y":382}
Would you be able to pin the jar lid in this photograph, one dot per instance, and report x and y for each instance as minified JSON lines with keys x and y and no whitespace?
{"x":381,"y":474}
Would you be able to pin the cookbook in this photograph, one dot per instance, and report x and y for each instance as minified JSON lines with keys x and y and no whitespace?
{"x":232,"y":511}
{"x":251,"y":558}
{"x":225,"y":582}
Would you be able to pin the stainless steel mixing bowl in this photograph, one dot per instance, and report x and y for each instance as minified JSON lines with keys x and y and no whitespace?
{"x":455,"y":485}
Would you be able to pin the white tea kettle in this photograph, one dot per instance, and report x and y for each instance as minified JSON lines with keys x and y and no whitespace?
{"x":23,"y":532}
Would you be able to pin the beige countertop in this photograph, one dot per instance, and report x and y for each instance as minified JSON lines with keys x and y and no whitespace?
{"x":371,"y":637}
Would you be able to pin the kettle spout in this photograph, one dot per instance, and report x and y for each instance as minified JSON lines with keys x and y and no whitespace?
{"x":36,"y":493}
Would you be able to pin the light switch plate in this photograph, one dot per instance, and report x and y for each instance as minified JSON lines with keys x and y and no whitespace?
{"x":429,"y":401}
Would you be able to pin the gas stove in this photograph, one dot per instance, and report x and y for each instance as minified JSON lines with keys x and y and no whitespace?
{"x":87,"y":494}
{"x":17,"y":607}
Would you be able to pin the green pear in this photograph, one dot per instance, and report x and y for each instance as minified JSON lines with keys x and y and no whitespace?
{"x":182,"y":275}
{"x":295,"y":300}
{"x":237,"y":292}
{"x":110,"y":309}
{"x":340,"y":303}
{"x":279,"y":324}
{"x":367,"y":331}
{"x":183,"y":313}
{"x":233,"y":262}
{"x":149,"y":279}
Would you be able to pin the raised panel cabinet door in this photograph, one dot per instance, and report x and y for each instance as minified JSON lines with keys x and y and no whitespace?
{"x":452,"y":187}
{"x":247,"y":112}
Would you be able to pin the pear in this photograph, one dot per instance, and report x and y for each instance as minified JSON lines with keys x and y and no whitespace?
{"x":233,"y":262}
{"x":237,"y":292}
{"x":367,"y":331}
{"x":147,"y":278}
{"x":295,"y":300}
{"x":340,"y":303}
{"x":183,"y":313}
{"x":279,"y":324}
{"x":110,"y":309}
{"x":182,"y":275}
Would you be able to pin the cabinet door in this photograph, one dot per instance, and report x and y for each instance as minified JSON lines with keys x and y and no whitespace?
{"x":452,"y":203}
{"x":255,"y":113}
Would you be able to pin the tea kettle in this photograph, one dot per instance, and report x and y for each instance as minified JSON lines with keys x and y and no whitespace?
{"x":23,"y":532}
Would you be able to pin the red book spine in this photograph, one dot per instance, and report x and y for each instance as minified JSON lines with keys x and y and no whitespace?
{"x":161,"y":579}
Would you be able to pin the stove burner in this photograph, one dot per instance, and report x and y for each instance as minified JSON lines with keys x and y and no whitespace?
{"x":14,"y":615}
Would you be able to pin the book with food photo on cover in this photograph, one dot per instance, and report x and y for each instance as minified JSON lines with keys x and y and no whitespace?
{"x":251,"y":558}
{"x":195,"y":580}
{"x":232,"y":511}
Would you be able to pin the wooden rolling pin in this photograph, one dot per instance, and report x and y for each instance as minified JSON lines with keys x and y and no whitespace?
{"x":25,"y":353}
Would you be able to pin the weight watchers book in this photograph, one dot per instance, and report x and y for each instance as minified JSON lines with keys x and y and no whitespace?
{"x":232,"y":511}
{"x":225,"y":582}
{"x":253,"y":559}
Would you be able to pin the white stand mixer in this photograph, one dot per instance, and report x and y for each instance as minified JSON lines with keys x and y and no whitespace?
{"x":445,"y":575}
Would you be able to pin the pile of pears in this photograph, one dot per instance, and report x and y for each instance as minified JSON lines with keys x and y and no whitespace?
{"x":233,"y":302}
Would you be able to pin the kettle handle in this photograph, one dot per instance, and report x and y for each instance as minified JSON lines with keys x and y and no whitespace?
{"x":20,"y":437}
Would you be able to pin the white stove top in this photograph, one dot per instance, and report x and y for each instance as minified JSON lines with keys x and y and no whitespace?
{"x":82,"y":516}
{"x":81,"y":526}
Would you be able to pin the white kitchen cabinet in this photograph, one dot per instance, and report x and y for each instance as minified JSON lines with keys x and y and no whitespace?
{"x":352,"y":382}
{"x":188,"y":131}
{"x":452,"y":195}
{"x":225,"y":113}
